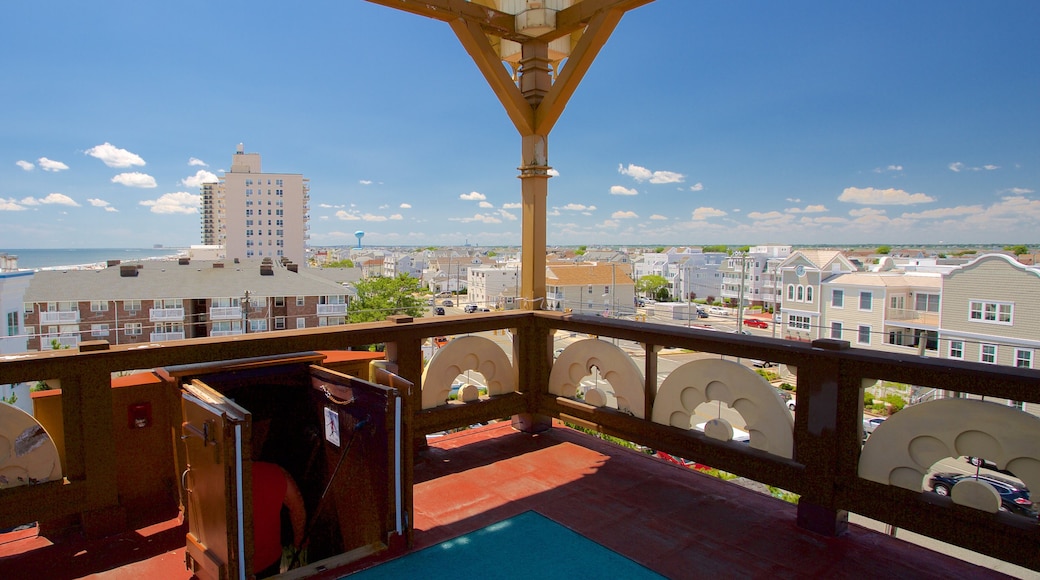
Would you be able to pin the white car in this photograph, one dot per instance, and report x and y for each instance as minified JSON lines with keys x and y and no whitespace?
{"x":718,"y":310}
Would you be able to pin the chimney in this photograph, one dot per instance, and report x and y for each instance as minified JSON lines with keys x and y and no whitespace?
{"x":295,"y":268}
{"x":266,"y":270}
{"x":183,"y":261}
{"x":112,"y":263}
{"x":218,"y":264}
{"x":128,"y":271}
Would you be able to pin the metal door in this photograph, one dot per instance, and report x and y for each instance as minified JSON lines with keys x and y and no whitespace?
{"x":218,"y":484}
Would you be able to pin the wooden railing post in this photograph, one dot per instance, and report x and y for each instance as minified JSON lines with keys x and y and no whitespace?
{"x":822,"y":397}
{"x":532,"y":360}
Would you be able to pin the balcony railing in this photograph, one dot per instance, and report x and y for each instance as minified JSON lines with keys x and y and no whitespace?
{"x":166,"y":336}
{"x":59,"y":317}
{"x":818,"y":455}
{"x":332,"y":309}
{"x":906,"y":315}
{"x":225,"y":313}
{"x":63,"y":341}
{"x":166,"y":314}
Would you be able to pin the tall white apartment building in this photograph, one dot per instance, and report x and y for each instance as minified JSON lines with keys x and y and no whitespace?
{"x":253,"y":214}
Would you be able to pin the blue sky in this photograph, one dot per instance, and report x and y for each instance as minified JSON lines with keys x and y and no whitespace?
{"x":699,"y":123}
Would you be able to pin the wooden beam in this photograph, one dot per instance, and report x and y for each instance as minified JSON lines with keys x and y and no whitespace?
{"x":490,"y":64}
{"x":490,"y":20}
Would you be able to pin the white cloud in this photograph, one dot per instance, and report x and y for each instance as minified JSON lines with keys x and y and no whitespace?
{"x":347,"y":215}
{"x":10,"y":205}
{"x":619,"y":215}
{"x":135,"y":179}
{"x":396,"y":216}
{"x":622,"y":190}
{"x":177,"y":202}
{"x":365,"y":182}
{"x":872,"y":196}
{"x":658,"y":217}
{"x":772,"y":215}
{"x":642,"y":174}
{"x":946,"y":212}
{"x":957,"y":167}
{"x":793,"y":200}
{"x":866,"y":211}
{"x":101,"y":203}
{"x":196,"y":162}
{"x":25,"y":165}
{"x":1020,"y":190}
{"x":486,"y":204}
{"x":703,"y":213}
{"x":697,"y":187}
{"x":609,"y":224}
{"x":113,"y":156}
{"x":578,"y":207}
{"x":553,"y":172}
{"x":512,"y":205}
{"x":888,"y":168}
{"x":505,"y":214}
{"x":368,"y":217}
{"x":405,"y":206}
{"x":201,"y":176}
{"x":808,"y":209}
{"x":51,"y":199}
{"x":472,"y":196}
{"x":482,"y":218}
{"x":51,"y":165}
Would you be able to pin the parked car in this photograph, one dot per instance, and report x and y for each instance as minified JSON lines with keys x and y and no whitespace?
{"x":470,"y":308}
{"x":440,"y":341}
{"x":980,"y":462}
{"x":756,"y":323}
{"x":448,"y":303}
{"x":762,"y":364}
{"x":438,"y":311}
{"x":871,"y":423}
{"x":1014,"y":497}
{"x":702,"y":314}
{"x":718,"y":310}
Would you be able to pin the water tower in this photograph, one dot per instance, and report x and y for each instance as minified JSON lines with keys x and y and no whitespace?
{"x":359,"y":234}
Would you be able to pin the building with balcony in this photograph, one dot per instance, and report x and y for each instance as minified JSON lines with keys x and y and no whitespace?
{"x":255,"y":214}
{"x":163,"y":301}
{"x":690,"y":272}
{"x":496,"y":287}
{"x":590,"y":288}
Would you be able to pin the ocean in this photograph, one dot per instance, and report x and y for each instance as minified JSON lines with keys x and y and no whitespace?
{"x":35,"y":259}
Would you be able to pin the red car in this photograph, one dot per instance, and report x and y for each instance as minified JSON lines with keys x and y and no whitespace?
{"x":756,"y":323}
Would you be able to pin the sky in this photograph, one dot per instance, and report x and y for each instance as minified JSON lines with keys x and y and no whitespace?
{"x":740,"y":122}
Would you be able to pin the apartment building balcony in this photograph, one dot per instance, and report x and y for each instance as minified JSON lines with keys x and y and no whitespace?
{"x":165,"y":336}
{"x":225,"y":313}
{"x":332,"y":310}
{"x":909,"y":316}
{"x":58,"y":341}
{"x":166,"y":314}
{"x":59,"y":317}
{"x":672,"y":520}
{"x":225,"y":332}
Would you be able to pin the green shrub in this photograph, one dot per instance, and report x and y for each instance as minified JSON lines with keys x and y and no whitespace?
{"x":787,"y":386}
{"x":768,"y":374}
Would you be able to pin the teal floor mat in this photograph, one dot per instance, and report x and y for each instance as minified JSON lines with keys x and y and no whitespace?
{"x":528,"y":545}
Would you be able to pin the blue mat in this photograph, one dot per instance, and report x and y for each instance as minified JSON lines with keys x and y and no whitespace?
{"x":525,"y":546}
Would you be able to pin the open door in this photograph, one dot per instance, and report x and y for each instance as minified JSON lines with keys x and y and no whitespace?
{"x":217,"y":482}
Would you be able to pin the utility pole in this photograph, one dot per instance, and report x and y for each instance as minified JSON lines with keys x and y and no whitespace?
{"x":740,"y":294}
{"x":245,"y":313}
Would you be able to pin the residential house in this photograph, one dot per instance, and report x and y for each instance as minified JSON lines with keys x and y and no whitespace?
{"x":590,"y":288}
{"x":496,"y":287}
{"x":801,"y":275}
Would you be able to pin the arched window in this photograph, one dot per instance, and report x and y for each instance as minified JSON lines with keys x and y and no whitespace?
{"x":801,"y":292}
{"x":808,"y":293}
{"x":790,"y":292}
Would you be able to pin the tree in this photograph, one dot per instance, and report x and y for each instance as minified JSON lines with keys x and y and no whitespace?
{"x":707,"y":249}
{"x":659,"y":250}
{"x":340,"y":264}
{"x":380,"y":297}
{"x":581,"y":250}
{"x":1017,"y":250}
{"x":653,"y":285}
{"x":884,"y":250}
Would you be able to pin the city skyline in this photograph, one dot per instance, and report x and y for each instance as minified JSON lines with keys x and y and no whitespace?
{"x":806,"y":123}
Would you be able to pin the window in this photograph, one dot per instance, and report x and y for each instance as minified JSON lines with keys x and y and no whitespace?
{"x":863,"y":336}
{"x":279,"y":323}
{"x":836,"y":330}
{"x":301,"y":323}
{"x":12,"y":323}
{"x":132,"y":305}
{"x":98,"y":330}
{"x":279,"y":301}
{"x":790,"y":292}
{"x":299,"y":300}
{"x":838,"y":298}
{"x":926,"y":302}
{"x":28,"y":307}
{"x":866,"y":300}
{"x":798,"y":322}
{"x":992,"y":312}
{"x":957,"y":349}
{"x":989,"y":354}
{"x":1023,"y":358}
{"x":99,"y":305}
{"x":801,"y":293}
{"x":808,"y":293}
{"x":133,"y":329}
{"x":258,"y":325}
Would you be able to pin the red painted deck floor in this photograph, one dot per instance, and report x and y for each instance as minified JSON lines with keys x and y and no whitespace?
{"x":673,"y":520}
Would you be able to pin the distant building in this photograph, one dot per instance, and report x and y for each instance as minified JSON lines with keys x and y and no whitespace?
{"x":497,"y":287}
{"x":159,"y":301}
{"x":590,"y":288}
{"x":254,"y":214}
